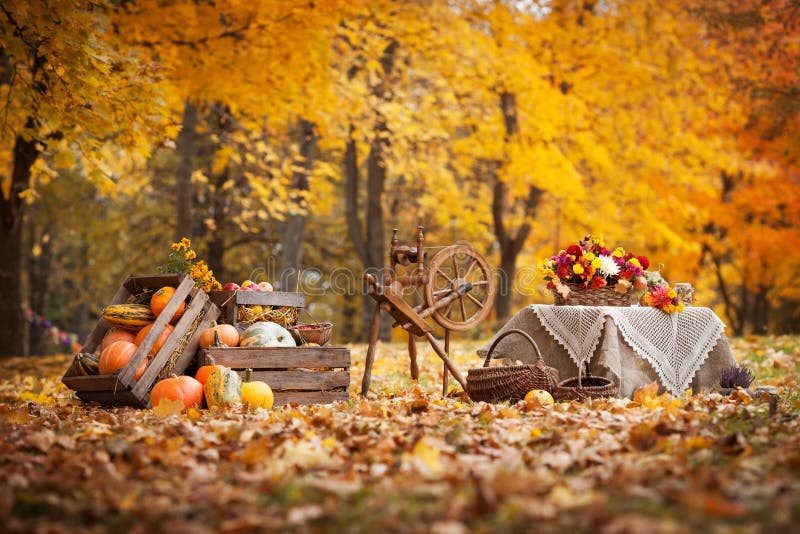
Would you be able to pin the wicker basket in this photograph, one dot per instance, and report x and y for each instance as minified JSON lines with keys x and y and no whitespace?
{"x":586,"y":387}
{"x":305,"y":333}
{"x":580,"y":296}
{"x":510,"y":382}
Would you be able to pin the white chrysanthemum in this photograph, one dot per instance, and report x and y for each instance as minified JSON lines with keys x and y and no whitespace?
{"x":608,"y":267}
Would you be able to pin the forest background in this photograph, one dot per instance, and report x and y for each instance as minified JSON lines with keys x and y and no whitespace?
{"x":285,"y":136}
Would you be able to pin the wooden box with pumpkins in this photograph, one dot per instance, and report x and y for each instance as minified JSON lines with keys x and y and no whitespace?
{"x":267,"y":353}
{"x":150,"y":331}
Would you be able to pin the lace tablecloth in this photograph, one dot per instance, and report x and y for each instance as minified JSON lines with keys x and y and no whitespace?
{"x":683,"y":350}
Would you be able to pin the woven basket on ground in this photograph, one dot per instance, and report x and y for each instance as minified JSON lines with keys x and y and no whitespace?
{"x":585,"y":387}
{"x":510,"y":382}
{"x":305,"y":333}
{"x":580,"y":296}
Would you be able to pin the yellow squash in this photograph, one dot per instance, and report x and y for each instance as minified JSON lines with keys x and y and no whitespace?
{"x":128,"y":316}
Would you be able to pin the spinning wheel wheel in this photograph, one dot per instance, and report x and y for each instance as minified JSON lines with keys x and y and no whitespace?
{"x":450,"y":269}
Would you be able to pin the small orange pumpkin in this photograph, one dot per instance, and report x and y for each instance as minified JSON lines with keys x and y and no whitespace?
{"x":160,"y":299}
{"x":181,"y":388}
{"x":116,"y":334}
{"x":205,"y":371}
{"x":117,"y":355}
{"x":162,"y":338}
{"x":227,"y":334}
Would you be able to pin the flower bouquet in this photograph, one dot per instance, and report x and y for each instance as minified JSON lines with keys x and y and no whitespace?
{"x":183,"y":259}
{"x":590,"y":274}
{"x":664,"y":298}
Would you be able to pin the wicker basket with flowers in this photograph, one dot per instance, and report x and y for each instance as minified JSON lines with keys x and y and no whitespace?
{"x":589,"y":274}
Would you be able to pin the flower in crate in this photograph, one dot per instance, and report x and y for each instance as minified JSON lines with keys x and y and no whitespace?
{"x":183,"y":259}
{"x":663,"y":298}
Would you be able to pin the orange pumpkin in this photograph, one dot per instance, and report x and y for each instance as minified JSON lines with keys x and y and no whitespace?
{"x":115,"y":334}
{"x":227,"y":333}
{"x":205,"y":371}
{"x":117,"y":355}
{"x":160,"y":299}
{"x":181,"y":388}
{"x":162,"y":338}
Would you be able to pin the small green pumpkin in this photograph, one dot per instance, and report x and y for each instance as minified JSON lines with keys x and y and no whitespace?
{"x":84,"y":364}
{"x":223,"y":388}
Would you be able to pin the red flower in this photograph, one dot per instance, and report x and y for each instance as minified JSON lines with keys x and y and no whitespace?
{"x":575,"y":250}
{"x":598,"y":282}
{"x":562,"y":271}
{"x":643,"y":261}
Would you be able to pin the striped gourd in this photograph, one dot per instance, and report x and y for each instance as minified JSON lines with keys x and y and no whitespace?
{"x":84,"y":364}
{"x":128,"y":316}
{"x":223,"y":388}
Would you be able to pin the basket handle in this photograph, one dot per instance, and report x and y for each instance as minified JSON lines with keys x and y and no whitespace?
{"x":504,"y":334}
{"x":305,"y":310}
{"x":580,"y":368}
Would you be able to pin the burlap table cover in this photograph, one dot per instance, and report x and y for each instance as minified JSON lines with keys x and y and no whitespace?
{"x":597,"y":337}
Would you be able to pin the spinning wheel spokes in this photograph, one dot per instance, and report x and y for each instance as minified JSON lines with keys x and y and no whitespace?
{"x":454,"y":267}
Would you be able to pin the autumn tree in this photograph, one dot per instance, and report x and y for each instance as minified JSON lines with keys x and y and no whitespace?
{"x":757,"y":194}
{"x":66,"y":90}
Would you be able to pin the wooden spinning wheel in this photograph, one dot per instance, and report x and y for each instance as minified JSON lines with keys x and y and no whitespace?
{"x":458,"y":290}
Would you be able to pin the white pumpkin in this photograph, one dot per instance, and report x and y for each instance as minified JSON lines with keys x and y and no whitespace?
{"x":266,"y":334}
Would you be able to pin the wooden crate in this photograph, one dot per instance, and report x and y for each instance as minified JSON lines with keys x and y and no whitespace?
{"x":229,"y":302}
{"x":176,"y":354}
{"x":291,"y":371}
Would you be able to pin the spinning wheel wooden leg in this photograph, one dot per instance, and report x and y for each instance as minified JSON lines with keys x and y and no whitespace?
{"x":443,"y":355}
{"x":373,"y":340}
{"x":412,"y":354}
{"x":444,"y":371}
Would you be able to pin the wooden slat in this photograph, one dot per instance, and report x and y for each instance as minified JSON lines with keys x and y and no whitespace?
{"x":310,"y":397}
{"x":278,"y":357}
{"x":185,"y":287}
{"x":93,"y":383}
{"x":137,"y":282}
{"x":302,"y":380}
{"x":264,"y":298}
{"x":111,"y":398}
{"x":210,"y":314}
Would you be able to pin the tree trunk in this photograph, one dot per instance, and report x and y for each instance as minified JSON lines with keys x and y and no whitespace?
{"x":760,"y":312}
{"x":293,"y":232}
{"x":510,"y":244}
{"x":12,"y":323}
{"x":187,"y":151}
{"x":370,"y":249}
{"x":217,"y":243}
{"x":39,"y":292}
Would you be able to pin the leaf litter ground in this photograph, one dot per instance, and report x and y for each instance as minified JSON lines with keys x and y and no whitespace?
{"x":405,"y":459}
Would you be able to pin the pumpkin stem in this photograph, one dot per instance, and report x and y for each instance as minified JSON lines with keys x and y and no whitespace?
{"x":248,"y":375}
{"x":217,"y":342}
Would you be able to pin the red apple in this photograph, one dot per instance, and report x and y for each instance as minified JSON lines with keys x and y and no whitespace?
{"x":230,"y":286}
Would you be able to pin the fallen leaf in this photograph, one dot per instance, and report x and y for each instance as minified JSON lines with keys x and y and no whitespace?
{"x":167,"y":407}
